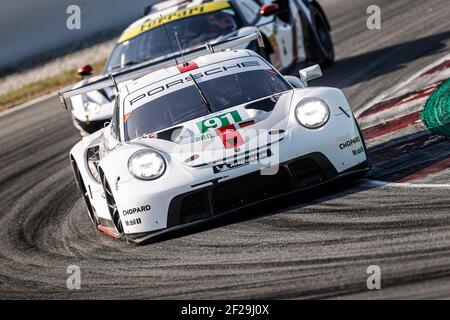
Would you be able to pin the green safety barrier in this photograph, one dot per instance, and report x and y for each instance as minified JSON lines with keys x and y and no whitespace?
{"x":436,"y":114}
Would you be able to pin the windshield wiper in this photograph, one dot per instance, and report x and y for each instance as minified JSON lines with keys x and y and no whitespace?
{"x":202,"y":96}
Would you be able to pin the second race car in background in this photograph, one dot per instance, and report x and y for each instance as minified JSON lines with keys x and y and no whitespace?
{"x":293,"y":31}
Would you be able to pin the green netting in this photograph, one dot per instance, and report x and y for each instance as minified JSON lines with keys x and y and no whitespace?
{"x":436,"y":114}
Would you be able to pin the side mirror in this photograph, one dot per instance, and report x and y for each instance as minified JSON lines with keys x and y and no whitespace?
{"x":309,"y":74}
{"x":85,"y":70}
{"x":294,"y":81}
{"x":269,"y":9}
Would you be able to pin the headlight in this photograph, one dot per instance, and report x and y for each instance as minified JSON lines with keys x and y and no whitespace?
{"x":146,"y":165}
{"x":312,"y":113}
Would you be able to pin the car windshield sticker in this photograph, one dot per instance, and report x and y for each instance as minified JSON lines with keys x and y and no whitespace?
{"x":166,"y":86}
{"x":177,"y":15}
{"x":219,"y":121}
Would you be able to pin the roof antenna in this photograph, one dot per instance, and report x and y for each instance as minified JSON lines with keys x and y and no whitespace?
{"x":181,"y":50}
{"x":170,"y":42}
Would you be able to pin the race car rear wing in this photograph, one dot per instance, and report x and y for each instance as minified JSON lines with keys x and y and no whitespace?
{"x":136,"y":72}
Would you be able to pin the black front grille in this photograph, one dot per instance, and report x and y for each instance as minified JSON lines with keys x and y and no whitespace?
{"x":251,"y":188}
{"x":306,"y":172}
{"x":194,"y":207}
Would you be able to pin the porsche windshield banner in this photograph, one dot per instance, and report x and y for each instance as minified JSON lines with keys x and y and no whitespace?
{"x":177,"y":15}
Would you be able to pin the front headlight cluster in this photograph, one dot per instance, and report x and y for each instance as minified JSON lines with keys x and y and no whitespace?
{"x":312,"y":113}
{"x":146,"y":165}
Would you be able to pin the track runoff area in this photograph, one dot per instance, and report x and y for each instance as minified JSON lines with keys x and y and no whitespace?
{"x":407,"y":131}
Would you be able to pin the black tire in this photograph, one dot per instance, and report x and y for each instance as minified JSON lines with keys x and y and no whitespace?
{"x":112,"y":207}
{"x":321,"y":48}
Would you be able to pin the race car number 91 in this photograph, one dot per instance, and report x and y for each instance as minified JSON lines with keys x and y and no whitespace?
{"x":219,"y":121}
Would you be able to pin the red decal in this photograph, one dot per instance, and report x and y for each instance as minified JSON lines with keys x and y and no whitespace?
{"x":231,"y":138}
{"x":186,"y":67}
{"x":108,"y":232}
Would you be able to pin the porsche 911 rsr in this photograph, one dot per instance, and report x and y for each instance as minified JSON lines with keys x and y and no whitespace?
{"x":195,"y":141}
{"x":293,"y":31}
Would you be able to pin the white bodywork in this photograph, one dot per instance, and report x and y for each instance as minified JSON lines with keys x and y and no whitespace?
{"x":277,"y":129}
{"x":96,"y":107}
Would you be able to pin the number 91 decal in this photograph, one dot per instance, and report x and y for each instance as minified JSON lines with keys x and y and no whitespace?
{"x":219,"y":121}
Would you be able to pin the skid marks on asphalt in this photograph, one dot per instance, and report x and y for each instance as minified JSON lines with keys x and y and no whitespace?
{"x":401,"y":147}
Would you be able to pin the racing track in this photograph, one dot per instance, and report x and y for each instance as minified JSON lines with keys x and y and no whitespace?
{"x":287,"y":249}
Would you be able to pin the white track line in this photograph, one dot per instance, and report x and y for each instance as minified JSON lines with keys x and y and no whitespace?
{"x":382,"y":184}
{"x":389,"y":92}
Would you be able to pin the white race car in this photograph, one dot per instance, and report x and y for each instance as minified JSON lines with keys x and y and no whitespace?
{"x":191,"y":142}
{"x":293,"y":31}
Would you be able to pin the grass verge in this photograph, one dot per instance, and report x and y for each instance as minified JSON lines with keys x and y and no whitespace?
{"x":44,"y":86}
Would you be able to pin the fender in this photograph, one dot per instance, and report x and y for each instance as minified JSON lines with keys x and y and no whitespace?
{"x":319,"y":7}
{"x":306,"y":5}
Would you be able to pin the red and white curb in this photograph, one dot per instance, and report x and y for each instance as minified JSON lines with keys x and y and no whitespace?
{"x":367,"y":183}
{"x":391,"y":123}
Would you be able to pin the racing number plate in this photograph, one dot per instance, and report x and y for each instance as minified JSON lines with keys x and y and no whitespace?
{"x":219,"y":121}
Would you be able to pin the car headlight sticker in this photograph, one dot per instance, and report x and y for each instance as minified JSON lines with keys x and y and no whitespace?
{"x":312,"y":113}
{"x":146,"y":165}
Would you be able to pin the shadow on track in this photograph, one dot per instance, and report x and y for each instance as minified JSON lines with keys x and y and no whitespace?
{"x":409,"y":155}
{"x":356,"y":69}
{"x":271,"y":207}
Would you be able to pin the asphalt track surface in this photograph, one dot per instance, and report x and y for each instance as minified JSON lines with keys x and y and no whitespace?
{"x":315,"y":246}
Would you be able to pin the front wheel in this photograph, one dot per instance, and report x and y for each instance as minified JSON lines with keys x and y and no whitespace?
{"x":112,"y":206}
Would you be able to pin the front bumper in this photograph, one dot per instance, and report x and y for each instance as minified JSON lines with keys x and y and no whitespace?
{"x":189,"y":195}
{"x":212,"y":202}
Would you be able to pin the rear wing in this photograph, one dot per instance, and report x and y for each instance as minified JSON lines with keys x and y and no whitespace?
{"x":113,"y":79}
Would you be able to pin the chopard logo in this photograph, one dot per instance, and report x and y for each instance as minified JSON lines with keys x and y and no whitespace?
{"x":349,"y":143}
{"x":136,"y":210}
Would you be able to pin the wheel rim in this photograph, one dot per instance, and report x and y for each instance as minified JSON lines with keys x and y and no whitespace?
{"x":112,"y":207}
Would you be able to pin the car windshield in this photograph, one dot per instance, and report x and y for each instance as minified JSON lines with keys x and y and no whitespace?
{"x":186,"y":104}
{"x":192,"y":32}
